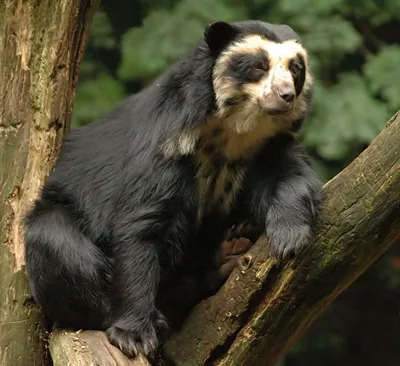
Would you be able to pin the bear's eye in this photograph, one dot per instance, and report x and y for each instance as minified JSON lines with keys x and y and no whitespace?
{"x":259,"y":66}
{"x":295,"y":67}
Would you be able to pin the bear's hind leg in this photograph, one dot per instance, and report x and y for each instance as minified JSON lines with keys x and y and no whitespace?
{"x":67,"y":272}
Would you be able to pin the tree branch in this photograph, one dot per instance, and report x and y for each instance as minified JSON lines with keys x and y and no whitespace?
{"x":266,"y":305}
{"x":88,"y":348}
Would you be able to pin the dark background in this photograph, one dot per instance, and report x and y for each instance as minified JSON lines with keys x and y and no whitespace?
{"x":355,"y":55}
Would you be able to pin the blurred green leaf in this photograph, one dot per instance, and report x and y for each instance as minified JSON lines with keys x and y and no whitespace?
{"x":167,"y":35}
{"x":331,"y":39}
{"x":324,"y":171}
{"x":101,"y":32}
{"x":382,"y":71}
{"x":345,"y":116}
{"x":377,"y":12}
{"x":94,"y":97}
{"x":309,"y":6}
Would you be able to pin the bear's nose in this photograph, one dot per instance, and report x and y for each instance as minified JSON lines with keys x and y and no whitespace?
{"x":286,"y":92}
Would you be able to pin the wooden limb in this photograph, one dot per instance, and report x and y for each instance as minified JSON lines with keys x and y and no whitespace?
{"x":266,"y":305}
{"x":41,"y":46}
{"x":88,"y":348}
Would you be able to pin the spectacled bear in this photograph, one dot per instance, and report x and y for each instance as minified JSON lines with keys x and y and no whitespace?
{"x":126,"y":228}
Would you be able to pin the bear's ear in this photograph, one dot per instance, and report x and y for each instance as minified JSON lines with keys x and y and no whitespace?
{"x":218,"y":35}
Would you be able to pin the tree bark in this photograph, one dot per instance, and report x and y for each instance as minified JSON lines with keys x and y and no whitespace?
{"x":41,"y":46}
{"x":266,"y":305}
{"x":88,"y":348}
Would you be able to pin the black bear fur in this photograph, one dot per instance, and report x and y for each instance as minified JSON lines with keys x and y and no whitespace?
{"x":112,"y":242}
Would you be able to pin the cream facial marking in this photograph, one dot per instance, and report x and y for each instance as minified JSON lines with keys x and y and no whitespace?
{"x":249,"y":107}
{"x":278,"y":97}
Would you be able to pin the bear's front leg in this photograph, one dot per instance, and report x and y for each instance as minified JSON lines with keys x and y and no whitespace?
{"x":135,"y":321}
{"x":284,"y":194}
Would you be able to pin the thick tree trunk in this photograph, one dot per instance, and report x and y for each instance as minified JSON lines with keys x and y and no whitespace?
{"x":41,"y":45}
{"x":266,"y":305}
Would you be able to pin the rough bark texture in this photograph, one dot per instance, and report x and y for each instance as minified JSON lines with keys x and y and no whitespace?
{"x":266,"y":305}
{"x":88,"y":348}
{"x":41,"y":45}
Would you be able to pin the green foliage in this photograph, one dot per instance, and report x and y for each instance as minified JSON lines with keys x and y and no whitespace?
{"x":98,"y":91}
{"x":95,"y":97}
{"x":377,"y":12}
{"x":102,"y":32}
{"x":344,"y":118}
{"x":167,"y":35}
{"x":315,"y":7}
{"x":383,"y":74}
{"x":330,"y":41}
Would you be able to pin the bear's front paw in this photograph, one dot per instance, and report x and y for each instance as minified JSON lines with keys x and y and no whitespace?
{"x":286,"y":240}
{"x":141,"y":338}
